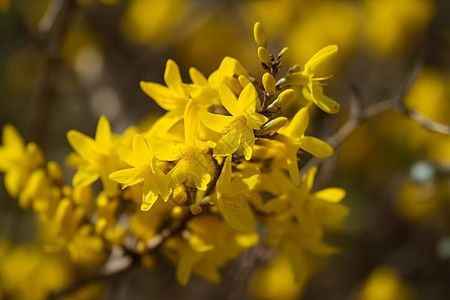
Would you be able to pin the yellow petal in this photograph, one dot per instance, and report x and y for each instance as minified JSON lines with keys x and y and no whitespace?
{"x":234,"y":84}
{"x":142,"y":151}
{"x":84,"y":145}
{"x":246,"y":141}
{"x":315,"y":146}
{"x":255,"y":120}
{"x":131,"y":176}
{"x":85,"y":176}
{"x":179,"y":173}
{"x":34,"y":153}
{"x":12,"y":138}
{"x":14,"y":181}
{"x":224,"y":180}
{"x":205,"y":96}
{"x":228,"y":99}
{"x":298,"y":125}
{"x":228,"y":144}
{"x":197,"y":77}
{"x":292,"y":162}
{"x":200,"y":170}
{"x":166,"y":122}
{"x":185,"y":265}
{"x":218,"y":123}
{"x":172,"y":77}
{"x":166,"y":150}
{"x":320,"y":60}
{"x":332,"y":194}
{"x":163,"y":96}
{"x":237,"y":212}
{"x":127,"y":155}
{"x":247,"y":100}
{"x":103,"y":134}
{"x":308,"y":178}
{"x":322,"y":101}
{"x":191,"y":122}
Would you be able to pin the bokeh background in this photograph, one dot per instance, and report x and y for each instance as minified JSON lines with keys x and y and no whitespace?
{"x":63,"y":63}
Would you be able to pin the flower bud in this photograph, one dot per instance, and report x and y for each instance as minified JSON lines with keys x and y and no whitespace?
{"x":54,"y":172}
{"x":243,"y":81}
{"x":264,"y":56}
{"x":269,"y":83}
{"x":259,"y":35}
{"x":283,"y":98}
{"x":273,"y":125}
{"x":195,"y":209}
{"x":283,"y":55}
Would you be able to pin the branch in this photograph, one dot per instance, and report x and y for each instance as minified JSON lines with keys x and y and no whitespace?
{"x":48,"y":39}
{"x":359,"y":116}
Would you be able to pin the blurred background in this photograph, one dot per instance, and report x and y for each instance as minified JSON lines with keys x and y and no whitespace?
{"x":63,"y":63}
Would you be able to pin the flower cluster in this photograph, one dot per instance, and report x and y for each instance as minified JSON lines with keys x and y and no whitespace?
{"x":217,"y":174}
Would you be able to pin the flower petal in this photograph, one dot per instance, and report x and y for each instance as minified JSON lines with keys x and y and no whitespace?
{"x":228,"y":144}
{"x":103,"y":134}
{"x":297,"y":127}
{"x":325,"y":103}
{"x":163,"y":96}
{"x":142,"y":151}
{"x":85,"y":176}
{"x":224,"y":180}
{"x":131,"y":176}
{"x":247,"y":100}
{"x":216,"y":122}
{"x":166,"y":150}
{"x":84,"y":145}
{"x":321,"y":59}
{"x":237,"y":212}
{"x":315,"y":146}
{"x":228,"y":99}
{"x":197,"y":77}
{"x":332,"y":194}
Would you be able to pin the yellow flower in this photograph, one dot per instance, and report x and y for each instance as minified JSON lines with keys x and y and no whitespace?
{"x":172,"y":97}
{"x":233,"y":195}
{"x":307,"y":78}
{"x":144,"y":171}
{"x":293,"y":138}
{"x":384,"y":283}
{"x":95,"y":158}
{"x":17,"y":160}
{"x":205,"y":246}
{"x":192,"y":159}
{"x":238,"y":127}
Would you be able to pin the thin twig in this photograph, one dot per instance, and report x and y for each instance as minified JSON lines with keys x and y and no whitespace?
{"x":48,"y":39}
{"x":359,"y":116}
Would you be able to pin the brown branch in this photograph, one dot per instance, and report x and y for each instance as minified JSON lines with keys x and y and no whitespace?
{"x":359,"y":116}
{"x":47,"y":38}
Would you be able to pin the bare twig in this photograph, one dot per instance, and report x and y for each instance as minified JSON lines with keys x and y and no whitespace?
{"x":47,"y":38}
{"x":248,"y":261}
{"x":359,"y":116}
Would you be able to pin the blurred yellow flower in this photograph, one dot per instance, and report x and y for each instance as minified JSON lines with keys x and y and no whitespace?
{"x":385,"y":284}
{"x":392,"y":25}
{"x":152,"y":21}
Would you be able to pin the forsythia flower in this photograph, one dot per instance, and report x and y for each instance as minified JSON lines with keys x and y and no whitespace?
{"x":239,"y":127}
{"x":144,"y":171}
{"x":17,"y":160}
{"x":95,"y":158}
{"x":307,"y":78}
{"x":223,"y":160}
